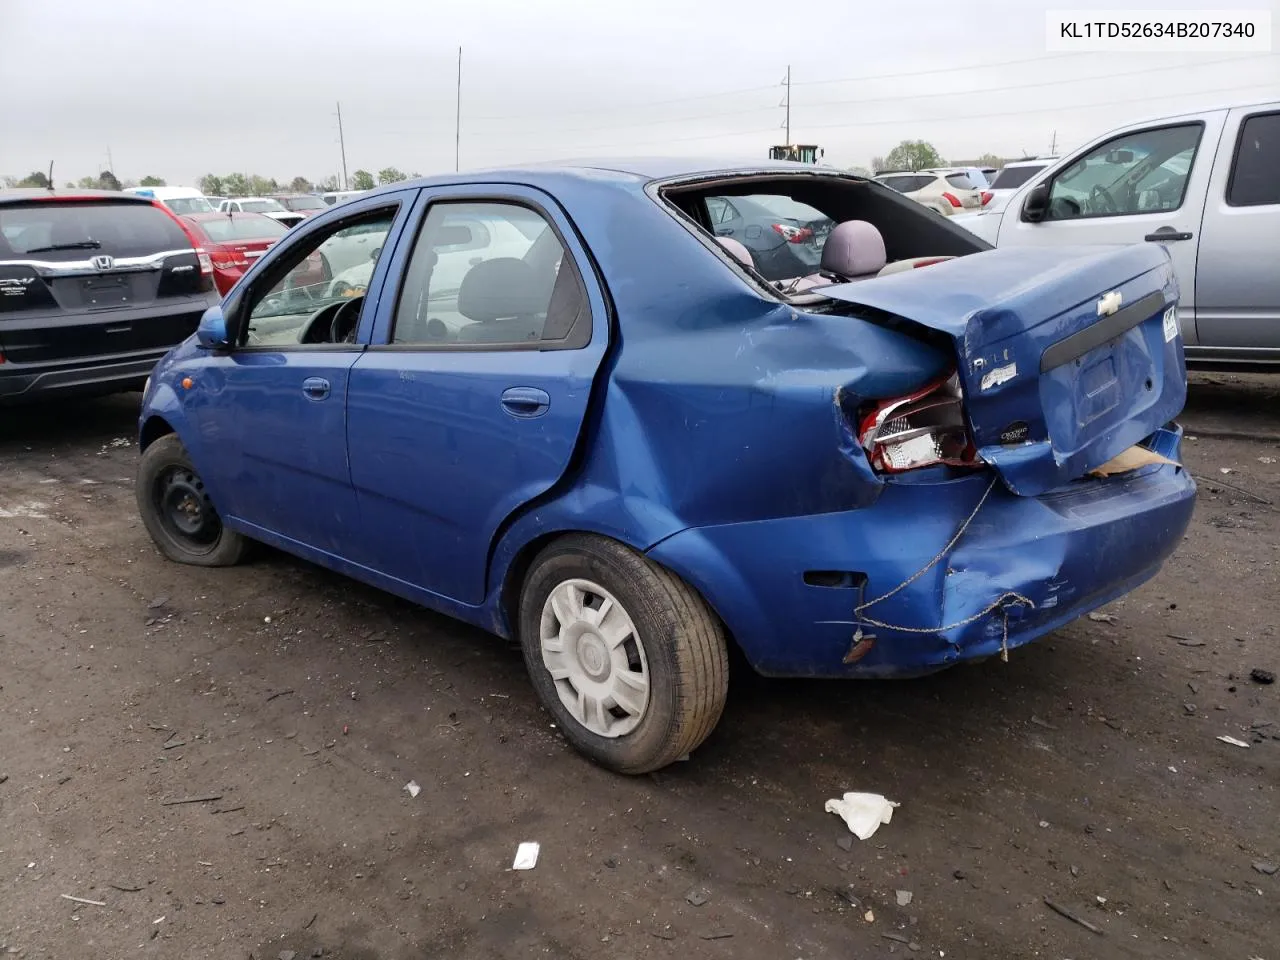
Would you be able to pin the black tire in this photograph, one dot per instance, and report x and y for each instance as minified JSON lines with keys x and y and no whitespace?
{"x":166,"y":475}
{"x":684,"y":646}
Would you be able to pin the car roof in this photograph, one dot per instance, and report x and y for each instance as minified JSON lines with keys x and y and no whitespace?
{"x":1031,"y":162}
{"x":632,"y":170}
{"x":19,"y":194}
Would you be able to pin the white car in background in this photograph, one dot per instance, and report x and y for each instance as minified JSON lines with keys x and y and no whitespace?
{"x":1012,"y":176}
{"x":267,"y":206}
{"x":338,"y":196}
{"x":946,"y":191}
{"x":181,"y":200}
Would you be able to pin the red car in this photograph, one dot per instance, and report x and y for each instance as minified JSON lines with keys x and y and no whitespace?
{"x":235,"y":240}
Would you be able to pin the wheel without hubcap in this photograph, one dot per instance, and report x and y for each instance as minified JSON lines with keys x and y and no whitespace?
{"x":595,"y":656}
{"x":176,"y":509}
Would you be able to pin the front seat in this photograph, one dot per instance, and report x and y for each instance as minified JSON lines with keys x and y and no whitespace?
{"x":505,"y":301}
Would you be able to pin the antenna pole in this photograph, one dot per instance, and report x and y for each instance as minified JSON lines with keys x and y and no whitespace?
{"x":342,"y":145}
{"x":788,"y":123}
{"x":457,"y":119}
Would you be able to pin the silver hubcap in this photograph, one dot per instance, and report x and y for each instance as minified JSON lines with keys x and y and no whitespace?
{"x":595,"y":657}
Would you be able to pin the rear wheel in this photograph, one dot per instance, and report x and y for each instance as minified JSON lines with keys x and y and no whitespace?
{"x":626,"y":656}
{"x":177,"y":511}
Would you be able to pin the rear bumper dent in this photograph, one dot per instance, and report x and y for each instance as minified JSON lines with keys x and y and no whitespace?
{"x":1067,"y":552}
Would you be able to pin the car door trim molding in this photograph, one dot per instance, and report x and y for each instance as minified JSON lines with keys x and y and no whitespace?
{"x":1104,"y":331}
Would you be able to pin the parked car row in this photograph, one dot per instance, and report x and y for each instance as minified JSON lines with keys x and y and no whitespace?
{"x":947,"y":191}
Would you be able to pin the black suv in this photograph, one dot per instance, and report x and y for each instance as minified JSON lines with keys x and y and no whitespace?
{"x":95,"y":287}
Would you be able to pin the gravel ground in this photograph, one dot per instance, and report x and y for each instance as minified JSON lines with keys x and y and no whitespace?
{"x":291,"y":706}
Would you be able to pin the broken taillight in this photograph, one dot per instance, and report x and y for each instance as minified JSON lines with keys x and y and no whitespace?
{"x":922,"y":429}
{"x":793,"y":234}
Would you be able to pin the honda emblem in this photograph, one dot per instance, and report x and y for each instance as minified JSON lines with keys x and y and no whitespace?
{"x":103,"y":262}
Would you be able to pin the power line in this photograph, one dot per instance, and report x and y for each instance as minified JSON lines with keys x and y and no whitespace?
{"x":1026,"y":86}
{"x":1018,"y":113}
{"x":628,"y":106}
{"x":828,"y":103}
{"x":927,"y":73}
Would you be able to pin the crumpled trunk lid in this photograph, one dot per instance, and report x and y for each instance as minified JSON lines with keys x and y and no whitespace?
{"x":1067,"y":356}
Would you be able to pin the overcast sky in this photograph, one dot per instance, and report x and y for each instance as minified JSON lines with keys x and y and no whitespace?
{"x":178,"y":88}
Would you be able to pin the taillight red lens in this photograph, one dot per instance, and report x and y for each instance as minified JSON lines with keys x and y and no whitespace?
{"x":923,"y":429}
{"x":951,"y":199}
{"x":793,"y":234}
{"x":929,"y":261}
{"x":986,"y":197}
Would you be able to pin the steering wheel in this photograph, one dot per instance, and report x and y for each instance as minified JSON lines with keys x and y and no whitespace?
{"x":1100,"y":201}
{"x":342,"y":329}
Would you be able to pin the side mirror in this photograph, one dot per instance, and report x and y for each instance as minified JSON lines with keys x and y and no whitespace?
{"x":1036,"y":206}
{"x":212,"y":331}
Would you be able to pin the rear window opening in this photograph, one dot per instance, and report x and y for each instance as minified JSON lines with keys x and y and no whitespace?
{"x":57,"y":230}
{"x":779,"y":227}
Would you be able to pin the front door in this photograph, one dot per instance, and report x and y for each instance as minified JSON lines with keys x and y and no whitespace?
{"x":271,"y":413}
{"x":471,"y":398}
{"x":1141,"y":186}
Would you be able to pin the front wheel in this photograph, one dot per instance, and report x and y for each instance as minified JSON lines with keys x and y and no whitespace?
{"x":626,"y":656}
{"x":177,"y":511}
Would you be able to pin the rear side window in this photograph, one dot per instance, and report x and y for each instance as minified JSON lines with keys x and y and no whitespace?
{"x":960,"y":181}
{"x":1010,"y":178}
{"x":261,"y":206}
{"x":228,"y":229}
{"x":54,"y":230}
{"x":1255,"y":172}
{"x":907,"y":184}
{"x":490,"y":273}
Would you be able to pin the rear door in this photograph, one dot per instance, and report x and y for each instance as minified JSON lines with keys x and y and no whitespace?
{"x":472,"y":397}
{"x":1237,"y":278}
{"x":92,"y":278}
{"x":1144,"y":185}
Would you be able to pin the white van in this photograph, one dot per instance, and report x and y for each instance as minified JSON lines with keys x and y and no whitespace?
{"x":1207,"y":186}
{"x":178,"y":199}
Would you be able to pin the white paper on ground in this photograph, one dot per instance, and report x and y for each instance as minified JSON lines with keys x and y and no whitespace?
{"x":863,"y":812}
{"x":526,"y":857}
{"x":413,"y":788}
{"x":1233,"y":741}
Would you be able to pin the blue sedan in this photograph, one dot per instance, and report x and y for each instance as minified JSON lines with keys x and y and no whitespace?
{"x":552,"y":403}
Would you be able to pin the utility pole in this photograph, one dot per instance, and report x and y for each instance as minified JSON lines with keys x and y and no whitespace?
{"x":787,"y":124}
{"x":110,"y":163}
{"x":457,"y":119}
{"x":342,"y":145}
{"x":1053,"y":147}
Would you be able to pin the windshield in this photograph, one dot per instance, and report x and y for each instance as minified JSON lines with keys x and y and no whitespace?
{"x":261,"y":206}
{"x":181,"y":205}
{"x":1010,"y":178}
{"x":251,"y":227}
{"x":304,"y":203}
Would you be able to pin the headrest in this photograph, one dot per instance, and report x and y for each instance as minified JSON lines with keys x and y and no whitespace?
{"x":500,"y":288}
{"x":736,"y":250}
{"x":853,"y":249}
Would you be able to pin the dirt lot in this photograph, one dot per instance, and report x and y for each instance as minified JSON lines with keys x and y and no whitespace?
{"x":1086,"y":770}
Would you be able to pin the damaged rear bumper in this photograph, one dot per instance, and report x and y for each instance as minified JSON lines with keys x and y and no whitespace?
{"x":789,"y":589}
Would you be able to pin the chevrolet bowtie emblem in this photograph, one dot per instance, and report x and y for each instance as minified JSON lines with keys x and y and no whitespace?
{"x":1109,"y":303}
